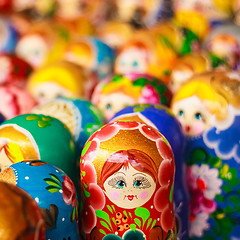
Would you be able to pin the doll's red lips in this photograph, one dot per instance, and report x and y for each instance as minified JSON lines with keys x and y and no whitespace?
{"x":130,"y":197}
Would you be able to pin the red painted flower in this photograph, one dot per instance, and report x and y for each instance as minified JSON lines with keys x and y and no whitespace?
{"x":163,"y":199}
{"x":69,"y":191}
{"x":92,"y":196}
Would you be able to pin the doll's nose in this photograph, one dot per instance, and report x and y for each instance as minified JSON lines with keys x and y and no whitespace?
{"x":187,"y":128}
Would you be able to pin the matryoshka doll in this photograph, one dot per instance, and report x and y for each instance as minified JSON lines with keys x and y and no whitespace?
{"x":214,"y":11}
{"x":21,"y":217}
{"x":14,"y":70}
{"x":181,"y":39}
{"x":162,"y":119}
{"x":186,"y":66}
{"x":115,"y":33}
{"x":53,"y":191}
{"x":34,"y":45}
{"x":224,"y":43}
{"x":127,"y":174}
{"x":141,"y":13}
{"x":92,"y":54}
{"x":121,"y":90}
{"x":80,"y":116}
{"x":208,"y":106}
{"x":37,"y":136}
{"x":95,"y":11}
{"x":145,"y":53}
{"x":15,"y":101}
{"x":59,"y":79}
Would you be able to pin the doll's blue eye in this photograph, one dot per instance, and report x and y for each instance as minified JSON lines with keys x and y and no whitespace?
{"x":180,"y":113}
{"x":108,"y":106}
{"x":138,"y":183}
{"x":135,"y":64}
{"x":198,"y":116}
{"x":121,"y":184}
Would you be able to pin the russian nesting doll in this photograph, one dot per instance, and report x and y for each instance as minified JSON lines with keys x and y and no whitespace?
{"x":127,"y":177}
{"x":208,"y":106}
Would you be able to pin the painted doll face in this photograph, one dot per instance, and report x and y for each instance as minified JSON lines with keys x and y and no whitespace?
{"x":132,"y":59}
{"x":193,"y":115}
{"x":49,"y":90}
{"x":129,"y":188}
{"x":112,"y":103}
{"x":227,"y":48}
{"x":33,"y":49}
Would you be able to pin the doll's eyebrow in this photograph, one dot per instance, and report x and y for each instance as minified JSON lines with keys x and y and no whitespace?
{"x":138,"y":174}
{"x":119,"y":172}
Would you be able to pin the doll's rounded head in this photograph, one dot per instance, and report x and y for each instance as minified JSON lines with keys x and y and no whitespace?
{"x":203,"y":96}
{"x":59,"y":79}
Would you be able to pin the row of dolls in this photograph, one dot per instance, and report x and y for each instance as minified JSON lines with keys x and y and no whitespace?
{"x":141,"y":13}
{"x":35,"y":67}
{"x":152,"y":172}
{"x":165,"y":165}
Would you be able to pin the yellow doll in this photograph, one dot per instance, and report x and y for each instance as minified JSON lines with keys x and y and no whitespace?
{"x":59,"y":79}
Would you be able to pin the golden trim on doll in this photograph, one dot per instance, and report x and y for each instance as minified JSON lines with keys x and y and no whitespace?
{"x":18,"y":148}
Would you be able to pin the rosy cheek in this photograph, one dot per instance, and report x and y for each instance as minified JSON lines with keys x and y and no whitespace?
{"x":114,"y":195}
{"x":198,"y":127}
{"x":143,"y":195}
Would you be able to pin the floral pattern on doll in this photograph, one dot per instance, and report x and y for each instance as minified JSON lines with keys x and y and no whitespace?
{"x":204,"y":185}
{"x":213,"y":186}
{"x":67,"y":189}
{"x":225,"y":146}
{"x":124,"y":90}
{"x":90,"y":188}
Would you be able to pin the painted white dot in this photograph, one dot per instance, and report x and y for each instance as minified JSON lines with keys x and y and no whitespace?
{"x":61,"y":191}
{"x":63,"y":219}
{"x":151,"y":207}
{"x":116,"y":233}
{"x":37,"y":199}
{"x":158,"y":219}
{"x":28,"y":163}
{"x":86,"y":213}
{"x":27,"y":177}
{"x":57,"y":171}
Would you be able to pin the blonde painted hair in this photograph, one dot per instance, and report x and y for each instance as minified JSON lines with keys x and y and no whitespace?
{"x":215,"y":90}
{"x":123,"y":85}
{"x":66,"y":74}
